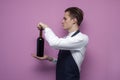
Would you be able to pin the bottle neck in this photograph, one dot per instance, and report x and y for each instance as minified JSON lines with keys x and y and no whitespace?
{"x":41,"y":33}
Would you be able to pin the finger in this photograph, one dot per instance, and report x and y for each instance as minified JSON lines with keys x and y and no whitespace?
{"x":44,"y":57}
{"x":42,"y":24}
{"x":39,"y":26}
{"x":40,"y":58}
{"x":33,"y":55}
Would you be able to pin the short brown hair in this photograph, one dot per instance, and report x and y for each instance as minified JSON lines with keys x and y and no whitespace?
{"x":77,"y":13}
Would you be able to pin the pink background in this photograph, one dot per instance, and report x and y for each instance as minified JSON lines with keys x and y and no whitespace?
{"x":18,"y":34}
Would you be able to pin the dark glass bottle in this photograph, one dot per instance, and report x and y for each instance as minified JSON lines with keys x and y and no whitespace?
{"x":40,"y":45}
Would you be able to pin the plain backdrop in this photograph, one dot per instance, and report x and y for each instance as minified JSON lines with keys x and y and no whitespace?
{"x":18,"y":34}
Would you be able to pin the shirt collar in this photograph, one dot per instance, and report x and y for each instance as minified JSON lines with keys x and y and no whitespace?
{"x":73,"y":33}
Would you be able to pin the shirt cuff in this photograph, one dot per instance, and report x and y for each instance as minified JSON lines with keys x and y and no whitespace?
{"x":46,"y":29}
{"x":54,"y":61}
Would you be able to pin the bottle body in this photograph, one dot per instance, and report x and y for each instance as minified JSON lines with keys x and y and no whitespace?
{"x":40,"y":47}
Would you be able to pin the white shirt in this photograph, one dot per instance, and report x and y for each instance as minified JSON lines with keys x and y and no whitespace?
{"x":76,"y":44}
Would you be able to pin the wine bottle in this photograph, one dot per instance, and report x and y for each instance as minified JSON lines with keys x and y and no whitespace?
{"x":40,"y":45}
